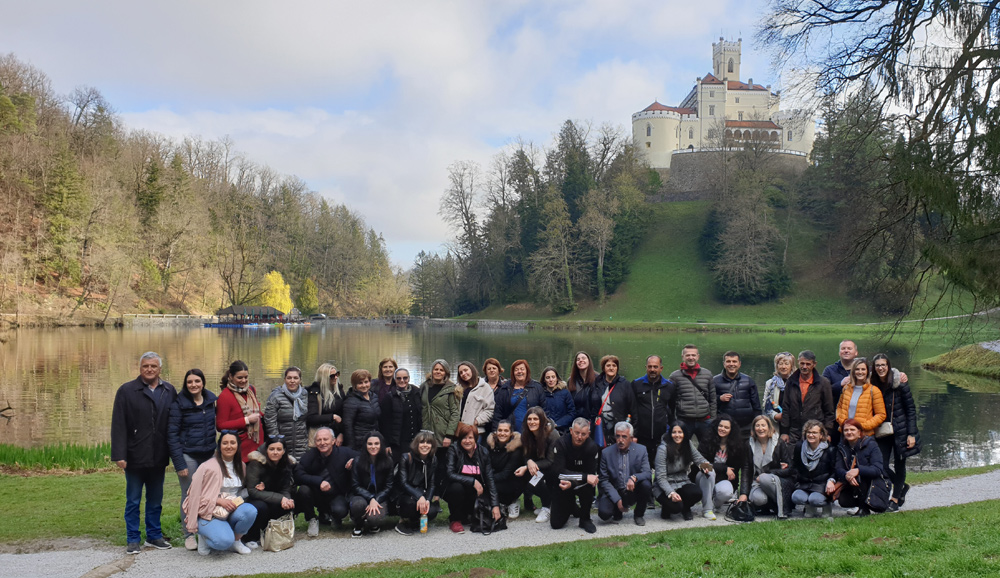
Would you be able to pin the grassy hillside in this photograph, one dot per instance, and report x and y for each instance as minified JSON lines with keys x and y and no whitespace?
{"x":971,"y":359}
{"x":668,"y":282}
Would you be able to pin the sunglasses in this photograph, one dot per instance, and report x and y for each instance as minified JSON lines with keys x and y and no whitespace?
{"x":402,"y":378}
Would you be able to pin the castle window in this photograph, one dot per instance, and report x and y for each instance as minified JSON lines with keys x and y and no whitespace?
{"x":647,"y":144}
{"x":711,"y":94}
{"x":737,"y":100}
{"x":649,"y":129}
{"x":711,"y":110}
{"x":789,"y":136}
{"x":690,"y":133}
{"x":730,"y":65}
{"x":741,"y":115}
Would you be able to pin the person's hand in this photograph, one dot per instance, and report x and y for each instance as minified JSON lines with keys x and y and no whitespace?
{"x":630,"y":484}
{"x":852,"y":476}
{"x":520,"y":471}
{"x":260,"y":486}
{"x":349,"y":463}
{"x":287,"y":504}
{"x":706,"y":468}
{"x":479,"y":487}
{"x":726,"y":397}
{"x":674,"y":497}
{"x":388,"y":451}
{"x":446,"y":442}
{"x":122,"y":464}
{"x":784,"y":438}
{"x":532,"y":467}
{"x":324,"y":486}
{"x":910,"y":442}
{"x":182,"y":473}
{"x":423,"y":506}
{"x":496,"y":512}
{"x":742,"y":498}
{"x":374,"y":508}
{"x":903,"y":378}
{"x":339,"y":440}
{"x":621,"y":506}
{"x":731,"y":474}
{"x":253,"y":418}
{"x":227,"y":504}
{"x":777,"y":417}
{"x":564,"y":485}
{"x":592,"y":480}
{"x":336,"y":418}
{"x":830,"y":487}
{"x":784,"y":465}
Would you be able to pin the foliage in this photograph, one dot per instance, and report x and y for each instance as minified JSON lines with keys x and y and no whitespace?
{"x":973,"y":359}
{"x":110,"y":216}
{"x":308,"y":299}
{"x":276,"y":293}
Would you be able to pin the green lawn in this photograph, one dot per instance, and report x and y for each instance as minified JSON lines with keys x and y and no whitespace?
{"x":955,"y":541}
{"x":971,"y":359}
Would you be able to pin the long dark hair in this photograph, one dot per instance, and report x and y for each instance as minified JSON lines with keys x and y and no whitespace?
{"x":675,"y":450}
{"x":588,"y":377}
{"x":873,"y":375}
{"x":190,"y":372}
{"x":234,"y":368}
{"x":736,"y":444}
{"x":237,"y":459}
{"x":383,"y":463}
{"x":535,"y":444}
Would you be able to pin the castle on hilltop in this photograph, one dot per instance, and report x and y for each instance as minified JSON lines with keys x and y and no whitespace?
{"x":721,"y":110}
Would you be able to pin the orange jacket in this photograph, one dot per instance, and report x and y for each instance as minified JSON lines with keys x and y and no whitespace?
{"x":870,"y":411}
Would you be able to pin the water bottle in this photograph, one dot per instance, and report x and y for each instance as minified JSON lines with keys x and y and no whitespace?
{"x":423,"y":524}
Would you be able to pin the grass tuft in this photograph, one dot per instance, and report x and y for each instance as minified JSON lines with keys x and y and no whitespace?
{"x":72,"y":457}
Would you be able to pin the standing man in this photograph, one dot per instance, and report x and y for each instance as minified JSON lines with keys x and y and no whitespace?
{"x":737,"y":392}
{"x":807,"y":396}
{"x":139,"y":446}
{"x":695,"y":402}
{"x":625,"y":479}
{"x":651,"y":410}
{"x":836,"y":372}
{"x":575,"y":463}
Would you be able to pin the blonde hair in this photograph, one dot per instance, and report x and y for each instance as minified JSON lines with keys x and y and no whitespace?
{"x":327,"y":392}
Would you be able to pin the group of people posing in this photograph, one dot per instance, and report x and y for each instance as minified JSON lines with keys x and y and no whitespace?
{"x":388,"y":447}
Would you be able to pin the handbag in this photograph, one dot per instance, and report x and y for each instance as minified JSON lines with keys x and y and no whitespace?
{"x":885,"y":428}
{"x":221,"y":513}
{"x":484,"y":518}
{"x":740,"y":512}
{"x":877,"y":498}
{"x":279,"y":534}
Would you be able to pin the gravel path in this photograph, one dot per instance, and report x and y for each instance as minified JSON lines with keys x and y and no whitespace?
{"x":328,"y":552}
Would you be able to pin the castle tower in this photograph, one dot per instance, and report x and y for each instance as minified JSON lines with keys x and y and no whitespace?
{"x":726,"y":59}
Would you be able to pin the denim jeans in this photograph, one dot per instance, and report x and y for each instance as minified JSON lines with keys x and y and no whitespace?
{"x":135,"y":479}
{"x":221,"y":534}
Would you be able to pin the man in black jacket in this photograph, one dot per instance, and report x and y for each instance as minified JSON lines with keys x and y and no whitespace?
{"x":736,"y":392}
{"x":651,"y":410}
{"x":324,"y":477}
{"x":575,"y":462}
{"x":807,"y":396}
{"x":139,"y":446}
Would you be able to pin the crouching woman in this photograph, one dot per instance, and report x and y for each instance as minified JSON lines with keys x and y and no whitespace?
{"x":214,"y":507}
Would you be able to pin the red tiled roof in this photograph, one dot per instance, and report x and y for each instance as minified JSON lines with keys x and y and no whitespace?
{"x":710,"y":79}
{"x":657,"y":106}
{"x":737,"y":85}
{"x":752,"y":124}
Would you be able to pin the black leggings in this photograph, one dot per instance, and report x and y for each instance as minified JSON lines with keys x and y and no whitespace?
{"x":308,"y":499}
{"x":897,"y":474}
{"x":406,"y":506}
{"x":564,"y":505}
{"x":461,"y":501}
{"x":690,"y":495}
{"x":542,"y":490}
{"x":265,"y":513}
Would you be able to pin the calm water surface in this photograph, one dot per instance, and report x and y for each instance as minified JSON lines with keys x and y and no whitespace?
{"x":61,"y":382}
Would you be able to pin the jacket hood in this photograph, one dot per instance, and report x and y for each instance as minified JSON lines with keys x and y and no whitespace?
{"x":512,"y":445}
{"x":187,"y":403}
{"x":560,"y":385}
{"x":257,"y":456}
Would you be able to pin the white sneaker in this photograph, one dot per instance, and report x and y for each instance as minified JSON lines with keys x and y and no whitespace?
{"x":253,"y":545}
{"x":240,"y":547}
{"x":708,"y":515}
{"x":513,"y":511}
{"x":543,"y":516}
{"x":203,"y":548}
{"x":313,"y":530}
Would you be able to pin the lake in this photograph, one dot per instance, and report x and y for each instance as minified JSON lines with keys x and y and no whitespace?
{"x":61,"y":382}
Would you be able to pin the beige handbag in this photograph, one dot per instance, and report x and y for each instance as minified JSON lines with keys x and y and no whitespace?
{"x":279,"y":534}
{"x":221,"y":513}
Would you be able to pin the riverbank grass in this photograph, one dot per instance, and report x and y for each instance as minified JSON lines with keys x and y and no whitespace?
{"x":953,"y":541}
{"x":972,"y":359}
{"x":57,"y":457}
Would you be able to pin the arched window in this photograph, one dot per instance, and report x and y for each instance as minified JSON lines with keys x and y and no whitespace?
{"x":649,"y":129}
{"x":730,"y":65}
{"x":690,"y":133}
{"x":729,"y":134}
{"x":789,"y":136}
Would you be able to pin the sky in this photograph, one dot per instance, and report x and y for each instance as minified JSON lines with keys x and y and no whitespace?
{"x":370,"y":102}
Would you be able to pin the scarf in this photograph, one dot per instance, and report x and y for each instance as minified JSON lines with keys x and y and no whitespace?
{"x":299,"y":401}
{"x":691,"y":372}
{"x":247,"y":399}
{"x":762,"y":454}
{"x":811,"y":457}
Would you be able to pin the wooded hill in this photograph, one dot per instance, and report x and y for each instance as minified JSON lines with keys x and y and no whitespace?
{"x":102,"y":218}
